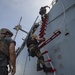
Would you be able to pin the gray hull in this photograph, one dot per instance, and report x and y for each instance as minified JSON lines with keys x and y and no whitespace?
{"x":61,"y":47}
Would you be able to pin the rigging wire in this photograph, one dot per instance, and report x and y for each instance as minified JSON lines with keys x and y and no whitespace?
{"x":64,"y":14}
{"x":25,"y":65}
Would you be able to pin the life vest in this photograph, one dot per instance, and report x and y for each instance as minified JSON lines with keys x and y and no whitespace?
{"x":29,"y":42}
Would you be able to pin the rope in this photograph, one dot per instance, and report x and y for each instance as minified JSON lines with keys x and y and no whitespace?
{"x":25,"y":65}
{"x":64,"y":14}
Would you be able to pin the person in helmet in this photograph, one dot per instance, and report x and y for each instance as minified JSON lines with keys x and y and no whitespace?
{"x":32,"y":44}
{"x":7,"y":52}
{"x":43,"y":12}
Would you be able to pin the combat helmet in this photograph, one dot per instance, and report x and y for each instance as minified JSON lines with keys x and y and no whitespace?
{"x":5,"y":30}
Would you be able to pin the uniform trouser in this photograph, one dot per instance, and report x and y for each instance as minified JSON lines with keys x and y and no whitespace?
{"x":3,"y":70}
{"x":37,"y":53}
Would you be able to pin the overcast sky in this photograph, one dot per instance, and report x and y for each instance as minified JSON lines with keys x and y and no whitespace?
{"x":12,"y":10}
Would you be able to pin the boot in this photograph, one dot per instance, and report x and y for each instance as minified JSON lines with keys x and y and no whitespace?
{"x":46,"y":69}
{"x":39,"y":68}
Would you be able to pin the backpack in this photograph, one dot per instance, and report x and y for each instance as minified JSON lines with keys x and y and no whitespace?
{"x":28,"y":43}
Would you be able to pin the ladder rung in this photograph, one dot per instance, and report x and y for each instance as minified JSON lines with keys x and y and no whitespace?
{"x":45,"y":52}
{"x":48,"y":60}
{"x":53,"y":70}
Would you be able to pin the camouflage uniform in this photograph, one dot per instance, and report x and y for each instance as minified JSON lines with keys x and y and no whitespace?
{"x":4,"y":50}
{"x":35,"y":51}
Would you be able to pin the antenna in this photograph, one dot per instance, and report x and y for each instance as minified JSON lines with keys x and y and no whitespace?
{"x":19,"y":27}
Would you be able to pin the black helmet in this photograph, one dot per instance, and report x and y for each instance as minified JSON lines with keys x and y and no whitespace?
{"x":5,"y":30}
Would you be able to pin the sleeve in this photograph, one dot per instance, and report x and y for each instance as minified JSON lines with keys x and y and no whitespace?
{"x":13,"y":42}
{"x":9,"y":40}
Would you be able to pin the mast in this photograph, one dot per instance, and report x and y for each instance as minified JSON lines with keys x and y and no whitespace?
{"x":19,"y":27}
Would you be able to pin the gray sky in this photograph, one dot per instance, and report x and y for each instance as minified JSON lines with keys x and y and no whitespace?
{"x":12,"y":10}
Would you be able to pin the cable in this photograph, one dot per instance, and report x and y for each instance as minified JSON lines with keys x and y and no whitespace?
{"x":64,"y":14}
{"x":25,"y":65}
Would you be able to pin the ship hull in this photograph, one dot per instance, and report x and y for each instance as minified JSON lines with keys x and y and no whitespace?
{"x":60,"y":46}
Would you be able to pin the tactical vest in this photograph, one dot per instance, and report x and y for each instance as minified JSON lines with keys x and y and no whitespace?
{"x":30,"y":41}
{"x":4,"y":46}
{"x":32,"y":44}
